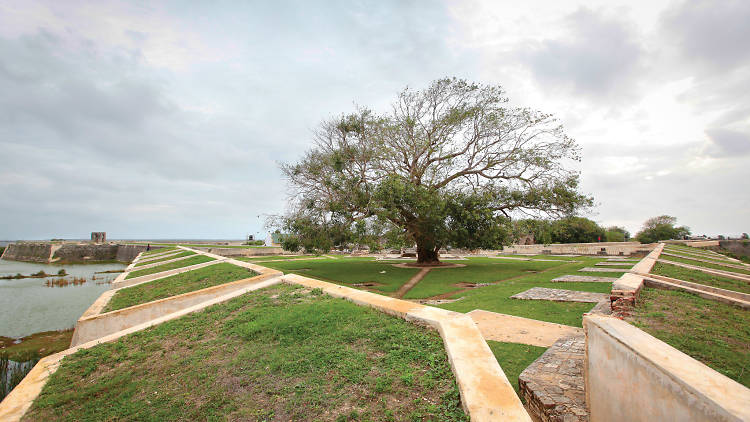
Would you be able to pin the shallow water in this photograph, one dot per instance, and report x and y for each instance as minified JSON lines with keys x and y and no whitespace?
{"x":12,"y":372}
{"x":27,"y":306}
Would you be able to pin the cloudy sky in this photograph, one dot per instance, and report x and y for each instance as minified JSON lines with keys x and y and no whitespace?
{"x":167,"y":119}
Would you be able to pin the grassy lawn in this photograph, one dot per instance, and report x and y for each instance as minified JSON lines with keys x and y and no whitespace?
{"x":201,"y":278}
{"x":171,"y":266}
{"x":711,"y":332}
{"x":274,"y":257}
{"x":159,"y":250}
{"x":514,"y":358}
{"x":276,"y":354}
{"x":704,"y":264}
{"x":696,"y":276}
{"x":166,"y":258}
{"x":497,"y":298}
{"x":477,"y":270}
{"x":386,"y":277}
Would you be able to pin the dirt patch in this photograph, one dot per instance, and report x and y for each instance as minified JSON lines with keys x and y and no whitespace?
{"x":368,"y":284}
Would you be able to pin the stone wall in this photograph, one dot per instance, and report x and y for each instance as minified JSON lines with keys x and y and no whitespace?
{"x":28,"y":251}
{"x":600,"y":248}
{"x":632,"y":376}
{"x":82,"y":252}
{"x":243,"y":251}
{"x":71,"y":253}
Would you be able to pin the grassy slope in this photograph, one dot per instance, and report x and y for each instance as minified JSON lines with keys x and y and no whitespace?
{"x":159,"y":250}
{"x":292,"y":357}
{"x":350,"y":271}
{"x":514,"y":358}
{"x":711,"y":332}
{"x":696,"y":276}
{"x":704,"y":264}
{"x":166,"y":258}
{"x":171,"y":266}
{"x":201,"y":278}
{"x":717,"y":259}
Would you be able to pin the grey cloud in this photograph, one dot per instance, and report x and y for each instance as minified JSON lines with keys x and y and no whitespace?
{"x":729,"y":143}
{"x":713,"y":34}
{"x":600,"y":58}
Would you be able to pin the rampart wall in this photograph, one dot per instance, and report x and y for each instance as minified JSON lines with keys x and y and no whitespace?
{"x":47,"y":252}
{"x":600,"y":248}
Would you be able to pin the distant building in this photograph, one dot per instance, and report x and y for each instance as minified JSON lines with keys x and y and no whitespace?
{"x":98,"y":237}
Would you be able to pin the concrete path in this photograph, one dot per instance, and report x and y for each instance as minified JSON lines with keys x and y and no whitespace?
{"x":513,"y":329}
{"x":584,"y":279}
{"x":411,"y":283}
{"x":560,"y":295}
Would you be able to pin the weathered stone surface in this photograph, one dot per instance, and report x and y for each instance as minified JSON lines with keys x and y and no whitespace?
{"x":613,"y":264}
{"x":603,"y":270}
{"x":553,"y":385}
{"x":584,"y":279}
{"x":560,"y":295}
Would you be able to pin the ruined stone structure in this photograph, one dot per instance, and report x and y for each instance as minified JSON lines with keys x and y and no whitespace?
{"x":98,"y":237}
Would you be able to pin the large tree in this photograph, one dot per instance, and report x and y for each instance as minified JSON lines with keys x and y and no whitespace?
{"x":447,"y":165}
{"x":661,"y":228}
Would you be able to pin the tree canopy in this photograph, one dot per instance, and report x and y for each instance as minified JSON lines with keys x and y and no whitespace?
{"x":661,"y":228}
{"x":448,"y":165}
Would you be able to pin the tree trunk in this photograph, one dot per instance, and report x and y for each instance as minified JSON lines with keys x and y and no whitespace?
{"x":427,"y":254}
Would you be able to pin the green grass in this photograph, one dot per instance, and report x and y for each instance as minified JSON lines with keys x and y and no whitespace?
{"x":274,"y":257}
{"x":477,"y":270}
{"x":704,"y":264}
{"x":350,"y":271}
{"x":275,"y":354}
{"x":514,"y":358}
{"x":696,"y":276}
{"x":717,"y":259}
{"x":170,"y":266}
{"x":201,"y":278}
{"x":158,"y":250}
{"x":166,"y":258}
{"x":714,"y":333}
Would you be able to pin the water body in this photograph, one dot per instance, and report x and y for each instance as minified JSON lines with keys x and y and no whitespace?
{"x":27,"y":306}
{"x":12,"y":373}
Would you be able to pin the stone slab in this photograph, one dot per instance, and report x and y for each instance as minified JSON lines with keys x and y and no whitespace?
{"x":613,"y":264}
{"x":560,"y":295}
{"x":583,"y":279}
{"x":553,"y":385}
{"x":603,"y":270}
{"x":514,"y":329}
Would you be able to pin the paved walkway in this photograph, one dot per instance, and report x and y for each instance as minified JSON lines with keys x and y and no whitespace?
{"x":560,"y":295}
{"x":584,"y":279}
{"x":513,"y":329}
{"x":553,"y":386}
